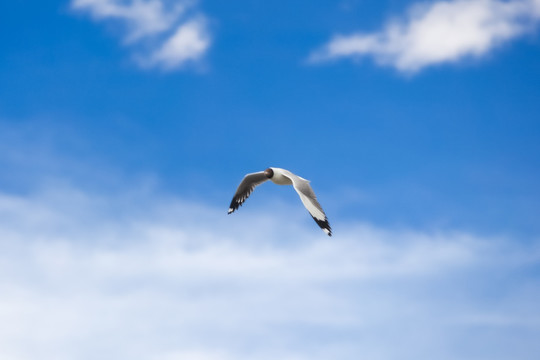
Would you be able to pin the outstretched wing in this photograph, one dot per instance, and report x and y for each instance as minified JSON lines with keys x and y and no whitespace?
{"x":309,"y":200}
{"x":245,"y":189}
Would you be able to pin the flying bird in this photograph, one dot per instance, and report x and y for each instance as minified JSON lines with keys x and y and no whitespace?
{"x":282,"y":177}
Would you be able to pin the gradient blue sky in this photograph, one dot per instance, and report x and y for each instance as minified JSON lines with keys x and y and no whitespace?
{"x":417,"y":123}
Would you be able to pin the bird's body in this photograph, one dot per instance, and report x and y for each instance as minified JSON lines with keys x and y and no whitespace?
{"x":279,"y":178}
{"x":282,"y":177}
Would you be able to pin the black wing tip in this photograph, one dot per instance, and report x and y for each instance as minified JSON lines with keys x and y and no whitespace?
{"x":324,"y":225}
{"x":232,"y":208}
{"x":238,"y":200}
{"x":235,"y":205}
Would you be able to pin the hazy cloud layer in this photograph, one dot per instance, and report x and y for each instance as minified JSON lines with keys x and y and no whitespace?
{"x":435,"y":33}
{"x":161,"y":34}
{"x":142,"y":276}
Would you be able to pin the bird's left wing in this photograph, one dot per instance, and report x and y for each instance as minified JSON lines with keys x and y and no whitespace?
{"x":245,"y":189}
{"x":309,"y":200}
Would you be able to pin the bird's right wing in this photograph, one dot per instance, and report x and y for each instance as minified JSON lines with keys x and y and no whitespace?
{"x":309,"y":200}
{"x":245,"y":189}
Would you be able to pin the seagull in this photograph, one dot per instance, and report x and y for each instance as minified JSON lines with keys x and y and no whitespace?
{"x":282,"y":177}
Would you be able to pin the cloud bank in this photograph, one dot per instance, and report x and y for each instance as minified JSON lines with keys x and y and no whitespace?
{"x":145,"y":276}
{"x":436,"y":33}
{"x":162,"y":34}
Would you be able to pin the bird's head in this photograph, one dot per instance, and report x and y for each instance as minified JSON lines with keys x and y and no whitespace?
{"x":269,"y":173}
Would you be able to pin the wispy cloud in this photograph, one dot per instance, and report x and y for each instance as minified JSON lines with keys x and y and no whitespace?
{"x":162,"y":34}
{"x":142,"y":18}
{"x":189,"y":42}
{"x":439,"y":32}
{"x":143,"y":276}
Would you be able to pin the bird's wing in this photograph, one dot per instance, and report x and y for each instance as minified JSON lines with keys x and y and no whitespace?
{"x":309,"y":200}
{"x":246,"y":188}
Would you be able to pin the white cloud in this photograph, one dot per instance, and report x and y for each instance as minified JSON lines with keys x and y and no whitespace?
{"x":142,"y":18}
{"x":189,"y":42}
{"x":439,"y":32}
{"x":162,"y":34}
{"x":143,"y":276}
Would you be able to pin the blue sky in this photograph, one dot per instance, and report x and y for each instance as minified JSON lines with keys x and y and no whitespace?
{"x":125,"y":127}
